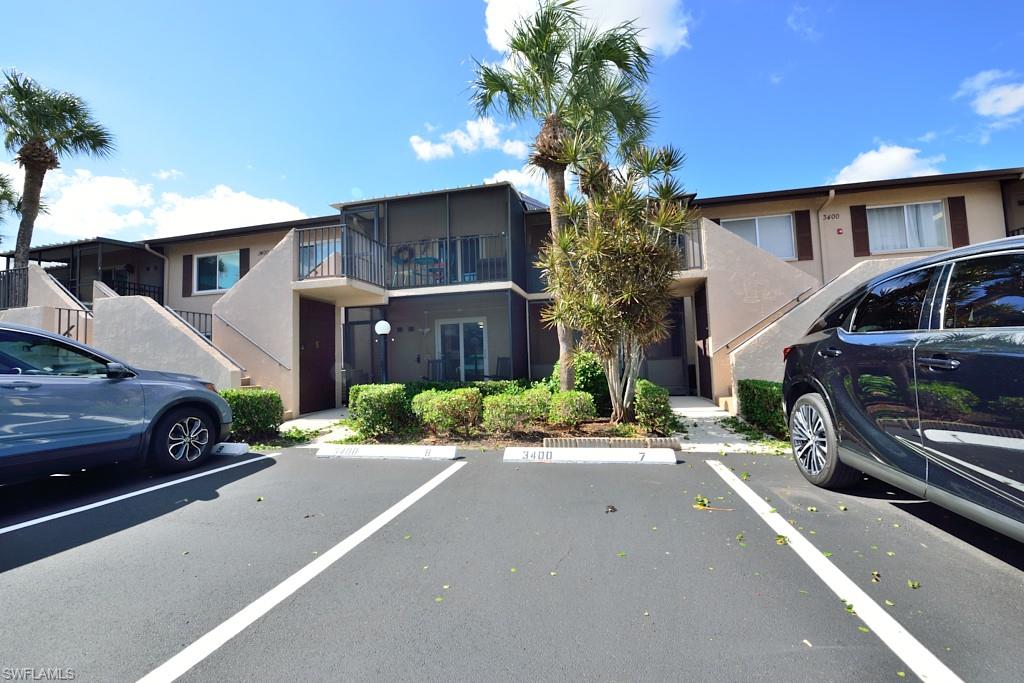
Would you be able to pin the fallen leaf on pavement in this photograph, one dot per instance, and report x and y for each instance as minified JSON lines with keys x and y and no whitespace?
{"x":912,"y":584}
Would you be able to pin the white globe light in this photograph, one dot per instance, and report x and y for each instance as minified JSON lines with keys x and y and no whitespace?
{"x":382,"y":327}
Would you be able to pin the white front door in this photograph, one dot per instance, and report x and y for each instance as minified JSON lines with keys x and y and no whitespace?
{"x":462,"y":348}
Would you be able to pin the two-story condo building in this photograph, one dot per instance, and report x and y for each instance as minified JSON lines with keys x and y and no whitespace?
{"x":294,"y":305}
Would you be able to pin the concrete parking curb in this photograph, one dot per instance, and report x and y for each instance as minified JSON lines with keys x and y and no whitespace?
{"x":599,"y":455}
{"x":382,"y":451}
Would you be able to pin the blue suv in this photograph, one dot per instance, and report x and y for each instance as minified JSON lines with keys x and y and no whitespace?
{"x":65,"y":406}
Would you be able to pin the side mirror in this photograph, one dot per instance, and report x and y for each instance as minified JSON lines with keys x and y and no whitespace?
{"x":117,"y":371}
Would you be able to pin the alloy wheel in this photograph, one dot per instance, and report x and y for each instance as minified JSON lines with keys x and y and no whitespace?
{"x":810,"y":440}
{"x":187,"y":439}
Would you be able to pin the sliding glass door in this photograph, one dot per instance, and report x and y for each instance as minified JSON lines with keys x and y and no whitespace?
{"x":462,"y":349}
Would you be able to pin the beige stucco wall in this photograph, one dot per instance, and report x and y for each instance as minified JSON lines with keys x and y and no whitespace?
{"x":257,"y":322}
{"x":42,"y":317}
{"x":142,"y":333}
{"x":43,"y":291}
{"x":833,"y":252}
{"x":259,"y":245}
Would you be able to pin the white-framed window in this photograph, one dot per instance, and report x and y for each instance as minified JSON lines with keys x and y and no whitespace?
{"x":774,"y":234}
{"x":216,"y":272}
{"x":907,"y":227}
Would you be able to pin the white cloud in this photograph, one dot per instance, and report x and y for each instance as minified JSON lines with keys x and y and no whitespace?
{"x":221,"y":207}
{"x":665,"y":26}
{"x":775,"y":79}
{"x":82,"y":205}
{"x":981,"y":81}
{"x":802,"y":22}
{"x":528,"y":179}
{"x":997,"y":96}
{"x":888,"y":161}
{"x":168,"y":174}
{"x":476,"y":134}
{"x":928,"y":137}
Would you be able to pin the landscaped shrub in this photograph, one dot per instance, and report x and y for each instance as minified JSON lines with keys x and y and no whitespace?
{"x":653,"y":412}
{"x":508,"y":413}
{"x":447,"y":412}
{"x":379,"y":409}
{"x":570,"y":408}
{"x":588,"y":376}
{"x":256,"y":413}
{"x":761,"y":406}
{"x":488,"y":387}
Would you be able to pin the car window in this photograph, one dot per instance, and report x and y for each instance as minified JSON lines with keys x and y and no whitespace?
{"x":834,"y":317}
{"x":27,"y":354}
{"x":986,"y":292}
{"x":894,"y":304}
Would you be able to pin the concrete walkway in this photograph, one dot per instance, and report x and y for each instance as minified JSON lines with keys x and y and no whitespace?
{"x":325,"y":421}
{"x":705,"y":435}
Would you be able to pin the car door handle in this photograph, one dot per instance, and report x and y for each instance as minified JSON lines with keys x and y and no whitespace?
{"x":939,"y":363}
{"x":21,"y":384}
{"x":830,"y":352}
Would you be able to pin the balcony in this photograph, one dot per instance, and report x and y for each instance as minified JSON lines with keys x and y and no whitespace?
{"x":689,"y":245}
{"x":448,"y":261}
{"x":13,"y":288}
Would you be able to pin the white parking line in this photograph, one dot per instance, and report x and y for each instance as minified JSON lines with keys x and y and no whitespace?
{"x":211,"y":641}
{"x":126,"y":496}
{"x":905,"y":646}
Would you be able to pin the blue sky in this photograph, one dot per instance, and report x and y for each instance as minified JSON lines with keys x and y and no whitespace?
{"x":226,"y":117}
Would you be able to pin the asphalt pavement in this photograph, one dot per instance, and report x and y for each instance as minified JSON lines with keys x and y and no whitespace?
{"x":271,"y":568}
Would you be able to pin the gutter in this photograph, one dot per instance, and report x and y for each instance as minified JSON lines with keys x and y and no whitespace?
{"x":821,"y":235}
{"x":167,"y":272}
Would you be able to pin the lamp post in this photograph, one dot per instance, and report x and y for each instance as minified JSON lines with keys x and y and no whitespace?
{"x":383,"y":329}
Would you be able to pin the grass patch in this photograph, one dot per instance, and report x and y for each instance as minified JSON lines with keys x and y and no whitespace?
{"x":295,"y":436}
{"x":755,"y":435}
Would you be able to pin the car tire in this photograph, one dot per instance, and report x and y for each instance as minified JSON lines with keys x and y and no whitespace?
{"x":816,"y":444}
{"x":182,"y":439}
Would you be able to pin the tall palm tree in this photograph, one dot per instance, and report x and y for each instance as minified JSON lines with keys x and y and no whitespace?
{"x":41,"y":126}
{"x":575,"y":82}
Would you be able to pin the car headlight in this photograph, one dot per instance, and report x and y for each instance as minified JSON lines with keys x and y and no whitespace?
{"x":210,"y":386}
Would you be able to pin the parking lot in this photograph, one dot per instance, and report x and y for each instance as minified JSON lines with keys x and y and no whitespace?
{"x":291,"y":566}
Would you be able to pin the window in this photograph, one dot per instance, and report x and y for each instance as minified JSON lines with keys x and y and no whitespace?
{"x":462,"y":349}
{"x":986,"y":292}
{"x":27,"y":354}
{"x":217,"y":272}
{"x":834,"y":316}
{"x":894,"y":304}
{"x":907,"y":227}
{"x":774,"y":234}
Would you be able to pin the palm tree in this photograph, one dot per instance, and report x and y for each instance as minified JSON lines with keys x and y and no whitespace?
{"x":41,"y":126}
{"x":575,"y":82}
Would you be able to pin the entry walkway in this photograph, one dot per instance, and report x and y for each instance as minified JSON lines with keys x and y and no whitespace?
{"x":704,"y":433}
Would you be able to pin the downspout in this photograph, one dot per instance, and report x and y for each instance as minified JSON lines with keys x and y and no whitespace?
{"x":166,"y":273}
{"x":821,"y":235}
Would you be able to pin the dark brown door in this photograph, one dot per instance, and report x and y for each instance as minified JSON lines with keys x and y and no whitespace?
{"x":700,"y":314}
{"x":316,"y":356}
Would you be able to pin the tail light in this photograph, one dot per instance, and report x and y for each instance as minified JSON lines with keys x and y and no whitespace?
{"x":785,"y":352}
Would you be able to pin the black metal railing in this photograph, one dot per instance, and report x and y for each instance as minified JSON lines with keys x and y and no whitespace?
{"x":75,"y":323}
{"x":689,"y":245}
{"x":201,"y":322}
{"x":337,"y":251}
{"x":154,"y":292}
{"x":446,"y":261}
{"x":13,"y":288}
{"x":1019,"y":232}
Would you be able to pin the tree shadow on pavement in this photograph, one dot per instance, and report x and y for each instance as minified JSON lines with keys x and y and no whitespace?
{"x":32,"y":500}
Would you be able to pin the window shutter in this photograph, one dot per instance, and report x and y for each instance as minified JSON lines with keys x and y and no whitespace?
{"x":958,"y":221}
{"x":186,"y":275}
{"x":804,"y":242}
{"x":859,"y":228}
{"x":243,"y":261}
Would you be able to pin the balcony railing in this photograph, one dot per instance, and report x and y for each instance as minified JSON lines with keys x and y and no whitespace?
{"x":689,"y":245}
{"x":1019,"y":232}
{"x":13,"y":288}
{"x":200,"y":322}
{"x":74,"y":323}
{"x":337,"y":251}
{"x":154,"y":292}
{"x":445,"y":261}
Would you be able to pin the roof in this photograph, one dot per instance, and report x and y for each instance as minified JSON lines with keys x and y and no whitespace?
{"x":848,"y":188}
{"x":77,"y":243}
{"x":331,"y":219}
{"x":450,"y":190}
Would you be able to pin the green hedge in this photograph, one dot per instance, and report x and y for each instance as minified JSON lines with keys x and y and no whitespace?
{"x":447,"y":412}
{"x":256,"y":413}
{"x":761,"y":406}
{"x":379,"y":409}
{"x":511,"y":413}
{"x":570,"y":408}
{"x":652,"y":408}
{"x":588,"y":376}
{"x":488,"y":387}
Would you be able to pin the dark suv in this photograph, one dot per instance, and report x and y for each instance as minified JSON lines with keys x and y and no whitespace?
{"x":917,"y":378}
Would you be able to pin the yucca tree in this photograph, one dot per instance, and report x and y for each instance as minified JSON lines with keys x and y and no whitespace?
{"x":571,"y":80}
{"x":40,"y":127}
{"x":615,"y":262}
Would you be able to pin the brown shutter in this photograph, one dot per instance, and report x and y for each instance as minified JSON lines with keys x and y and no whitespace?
{"x":859,"y":228}
{"x":958,"y":221}
{"x":186,"y":275}
{"x":243,"y":261}
{"x":804,"y":243}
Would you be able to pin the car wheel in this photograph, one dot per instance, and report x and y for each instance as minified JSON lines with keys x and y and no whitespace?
{"x":816,"y":445}
{"x":183,"y":439}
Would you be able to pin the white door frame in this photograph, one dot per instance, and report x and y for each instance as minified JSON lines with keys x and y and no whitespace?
{"x":480,"y":320}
